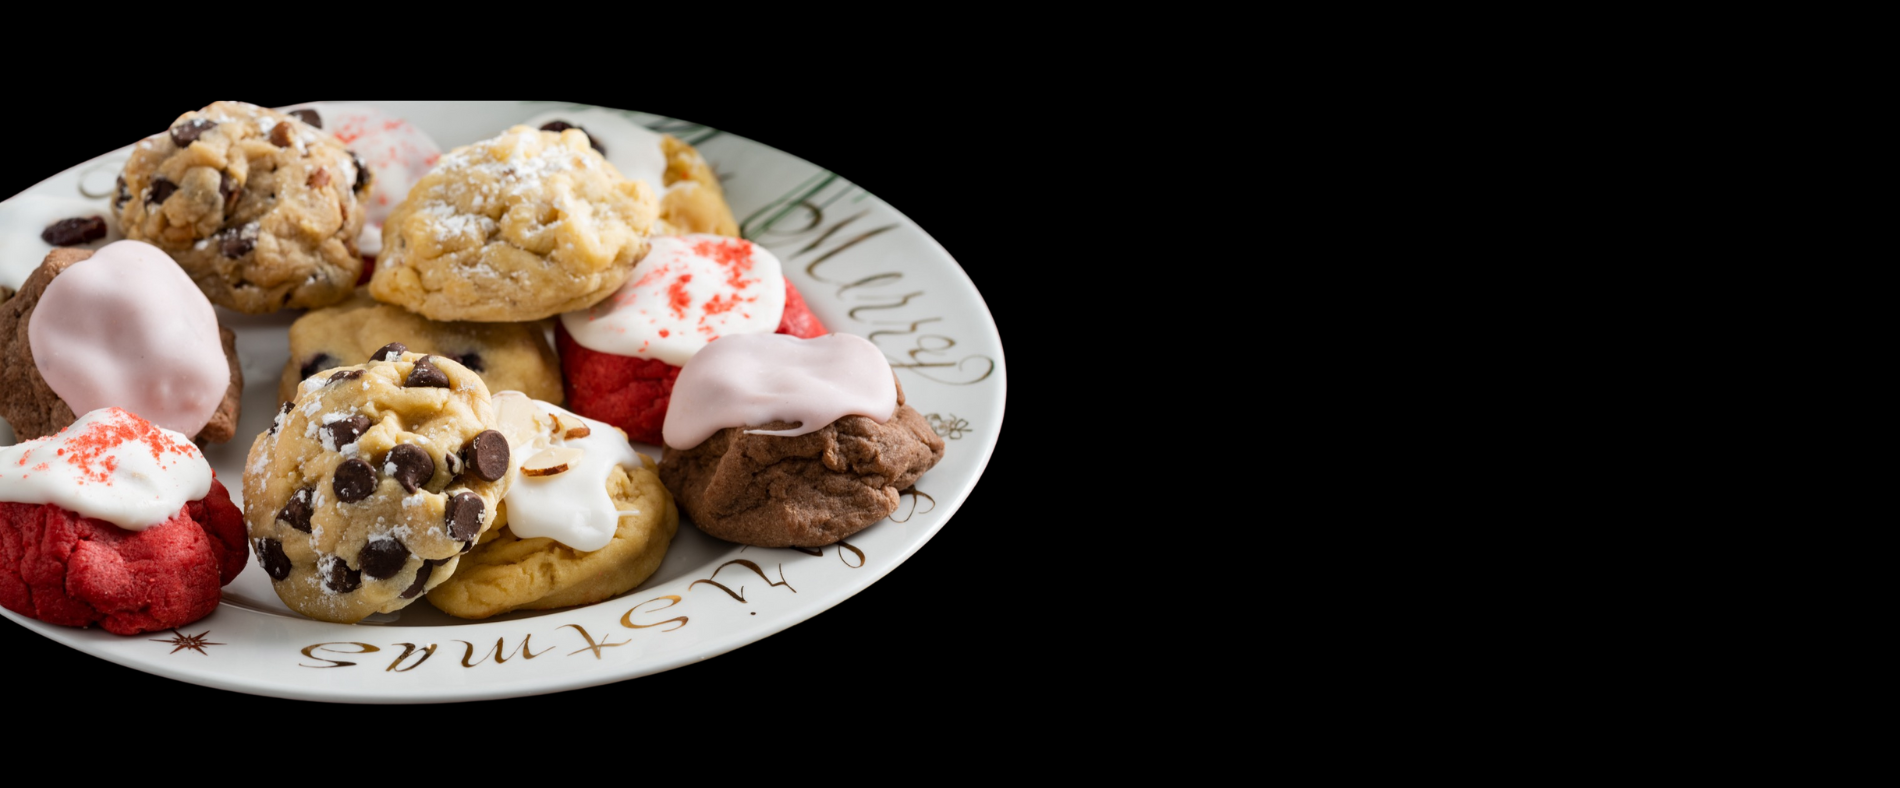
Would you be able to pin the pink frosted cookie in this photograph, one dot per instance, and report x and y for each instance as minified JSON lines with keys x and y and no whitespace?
{"x":121,"y":327}
{"x":792,"y":442}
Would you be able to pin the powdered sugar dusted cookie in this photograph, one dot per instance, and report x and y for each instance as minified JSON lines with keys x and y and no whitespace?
{"x":519,"y":227}
{"x":691,"y":199}
{"x":372,"y":482}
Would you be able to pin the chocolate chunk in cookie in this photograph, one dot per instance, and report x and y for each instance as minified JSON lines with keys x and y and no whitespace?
{"x":426,"y":374}
{"x":309,"y":116}
{"x":344,"y":432}
{"x":296,"y":514}
{"x":270,"y":555}
{"x":382,"y":354}
{"x":487,"y":455}
{"x":464,"y":516}
{"x":338,"y":577}
{"x":185,"y":133}
{"x":383,"y":558}
{"x":354,"y":481}
{"x":410,"y":466}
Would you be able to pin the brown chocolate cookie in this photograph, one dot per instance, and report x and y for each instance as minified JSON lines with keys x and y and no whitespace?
{"x":803,"y":491}
{"x":27,"y":403}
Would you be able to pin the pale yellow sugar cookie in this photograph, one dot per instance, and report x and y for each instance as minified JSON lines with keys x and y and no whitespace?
{"x":507,"y":356}
{"x":694,"y":202}
{"x":504,"y":573}
{"x":526,"y":225}
{"x":365,"y":491}
{"x":261,"y":209}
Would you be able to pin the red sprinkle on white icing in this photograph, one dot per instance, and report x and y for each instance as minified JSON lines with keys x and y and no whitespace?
{"x":752,"y":379}
{"x":689,"y":290}
{"x":111,"y":465}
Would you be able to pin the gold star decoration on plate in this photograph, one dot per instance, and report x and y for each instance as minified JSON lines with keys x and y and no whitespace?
{"x":181,"y":642}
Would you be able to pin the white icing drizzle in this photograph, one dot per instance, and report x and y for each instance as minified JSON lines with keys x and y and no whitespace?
{"x":110,"y":465}
{"x":571,"y":507}
{"x":749,"y":379}
{"x":689,"y":290}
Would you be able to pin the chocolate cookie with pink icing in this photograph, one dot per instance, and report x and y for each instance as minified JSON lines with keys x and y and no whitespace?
{"x":121,"y":327}
{"x":792,"y":442}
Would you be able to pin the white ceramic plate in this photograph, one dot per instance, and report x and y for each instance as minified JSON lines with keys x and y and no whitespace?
{"x":864,"y":269}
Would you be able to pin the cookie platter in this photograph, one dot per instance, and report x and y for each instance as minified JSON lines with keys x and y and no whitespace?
{"x":863,"y":269}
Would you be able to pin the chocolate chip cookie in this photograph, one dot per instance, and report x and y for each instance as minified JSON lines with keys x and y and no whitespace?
{"x":523,"y":226}
{"x":260,"y":208}
{"x":507,"y":356}
{"x":371,"y":484}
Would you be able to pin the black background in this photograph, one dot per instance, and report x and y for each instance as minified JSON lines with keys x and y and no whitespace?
{"x":952,"y":627}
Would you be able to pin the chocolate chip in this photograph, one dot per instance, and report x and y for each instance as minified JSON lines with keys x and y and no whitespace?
{"x":454,"y":461}
{"x":347,"y":374}
{"x":487,"y":454}
{"x":275,"y":422}
{"x":464,"y":517}
{"x":397,"y":348}
{"x":270,"y":555}
{"x":228,"y":186}
{"x":344,"y":432}
{"x":280,"y":135}
{"x":73,"y":232}
{"x":362,"y":172}
{"x":233,"y":245}
{"x":383,"y":558}
{"x":562,"y":125}
{"x":184,"y":133}
{"x":338,"y":576}
{"x":308,"y":116}
{"x":471,"y":360}
{"x":413,"y":469}
{"x":297,"y":511}
{"x":161,"y":189}
{"x":124,"y":196}
{"x":354,"y":481}
{"x":318,"y":363}
{"x":422,"y":578}
{"x":427,"y":375}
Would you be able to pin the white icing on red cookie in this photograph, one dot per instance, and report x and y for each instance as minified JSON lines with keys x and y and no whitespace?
{"x":111,"y":465}
{"x":688,"y":291}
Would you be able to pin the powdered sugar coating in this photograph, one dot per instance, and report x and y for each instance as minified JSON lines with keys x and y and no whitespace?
{"x":519,"y":227}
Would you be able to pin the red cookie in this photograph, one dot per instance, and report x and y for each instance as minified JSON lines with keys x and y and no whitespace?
{"x":62,"y":568}
{"x":632,"y":393}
